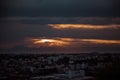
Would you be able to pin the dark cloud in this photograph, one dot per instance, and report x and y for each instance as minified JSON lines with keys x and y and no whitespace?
{"x":25,"y":19}
{"x":60,"y":8}
{"x":62,"y":20}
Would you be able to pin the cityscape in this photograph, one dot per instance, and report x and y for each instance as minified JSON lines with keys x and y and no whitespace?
{"x":59,"y":40}
{"x":84,"y":66}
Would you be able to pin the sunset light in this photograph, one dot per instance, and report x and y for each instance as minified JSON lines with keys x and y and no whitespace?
{"x":49,"y":42}
{"x":99,"y":41}
{"x":45,"y":40}
{"x":83,"y":26}
{"x":68,"y":42}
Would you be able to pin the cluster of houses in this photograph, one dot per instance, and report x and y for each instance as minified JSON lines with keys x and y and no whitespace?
{"x":53,"y":67}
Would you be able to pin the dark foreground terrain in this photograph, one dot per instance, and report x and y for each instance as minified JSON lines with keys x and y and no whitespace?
{"x":92,"y":66}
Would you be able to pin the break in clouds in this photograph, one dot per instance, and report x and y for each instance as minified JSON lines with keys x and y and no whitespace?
{"x":57,"y":44}
{"x":77,"y":34}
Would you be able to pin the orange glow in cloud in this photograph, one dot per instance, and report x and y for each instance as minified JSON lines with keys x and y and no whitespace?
{"x":82,"y":26}
{"x":67,"y":42}
{"x":100,"y":41}
{"x":50,"y":42}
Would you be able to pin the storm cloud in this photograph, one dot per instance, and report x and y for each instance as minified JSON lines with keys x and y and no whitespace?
{"x":65,"y":8}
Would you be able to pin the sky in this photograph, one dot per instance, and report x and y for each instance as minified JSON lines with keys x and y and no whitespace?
{"x":65,"y":8}
{"x":59,"y":26}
